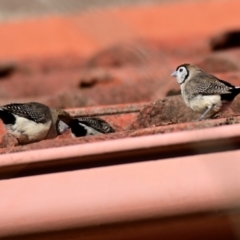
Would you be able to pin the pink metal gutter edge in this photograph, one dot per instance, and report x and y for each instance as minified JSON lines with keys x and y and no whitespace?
{"x":107,"y":110}
{"x":85,"y":152}
{"x":123,"y":193}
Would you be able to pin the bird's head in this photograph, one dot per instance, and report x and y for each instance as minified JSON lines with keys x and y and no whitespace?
{"x":61,"y":119}
{"x":184,"y":72}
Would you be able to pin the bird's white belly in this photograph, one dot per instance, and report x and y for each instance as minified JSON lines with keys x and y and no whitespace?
{"x":27,"y":131}
{"x":200,"y":103}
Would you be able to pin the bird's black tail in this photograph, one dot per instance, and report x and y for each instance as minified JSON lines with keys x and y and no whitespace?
{"x":236,"y":91}
{"x":230,"y":97}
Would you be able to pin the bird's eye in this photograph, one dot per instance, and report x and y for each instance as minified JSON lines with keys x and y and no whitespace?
{"x":180,"y":70}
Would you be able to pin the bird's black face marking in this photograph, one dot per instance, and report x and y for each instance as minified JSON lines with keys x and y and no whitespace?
{"x":7,"y":117}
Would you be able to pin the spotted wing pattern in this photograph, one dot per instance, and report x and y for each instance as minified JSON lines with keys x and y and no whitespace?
{"x":96,"y":123}
{"x":36,"y":112}
{"x":207,"y":84}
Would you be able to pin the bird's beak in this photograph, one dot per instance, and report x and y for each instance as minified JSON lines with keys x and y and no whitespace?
{"x":174,"y":74}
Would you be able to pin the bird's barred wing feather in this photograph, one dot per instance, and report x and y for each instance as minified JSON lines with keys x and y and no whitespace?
{"x":96,"y":123}
{"x":32,"y":112}
{"x":208,"y":85}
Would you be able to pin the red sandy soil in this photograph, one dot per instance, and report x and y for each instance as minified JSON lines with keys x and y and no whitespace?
{"x":86,"y":33}
{"x":113,"y":56}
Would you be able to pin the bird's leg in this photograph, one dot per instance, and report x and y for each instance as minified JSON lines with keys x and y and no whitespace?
{"x":205,"y":113}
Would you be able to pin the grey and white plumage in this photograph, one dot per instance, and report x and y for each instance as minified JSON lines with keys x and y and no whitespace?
{"x":84,"y":126}
{"x":30,"y":122}
{"x":203,"y":92}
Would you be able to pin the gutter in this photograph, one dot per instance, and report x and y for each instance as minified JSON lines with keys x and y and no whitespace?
{"x":156,"y":199}
{"x":159,"y":146}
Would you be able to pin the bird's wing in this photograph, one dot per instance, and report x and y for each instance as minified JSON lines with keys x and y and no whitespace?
{"x":32,"y":112}
{"x":96,"y":123}
{"x":207,"y":84}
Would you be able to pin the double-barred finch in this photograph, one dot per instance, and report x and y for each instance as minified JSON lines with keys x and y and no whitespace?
{"x":31,"y":122}
{"x":203,"y":92}
{"x":84,"y":126}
